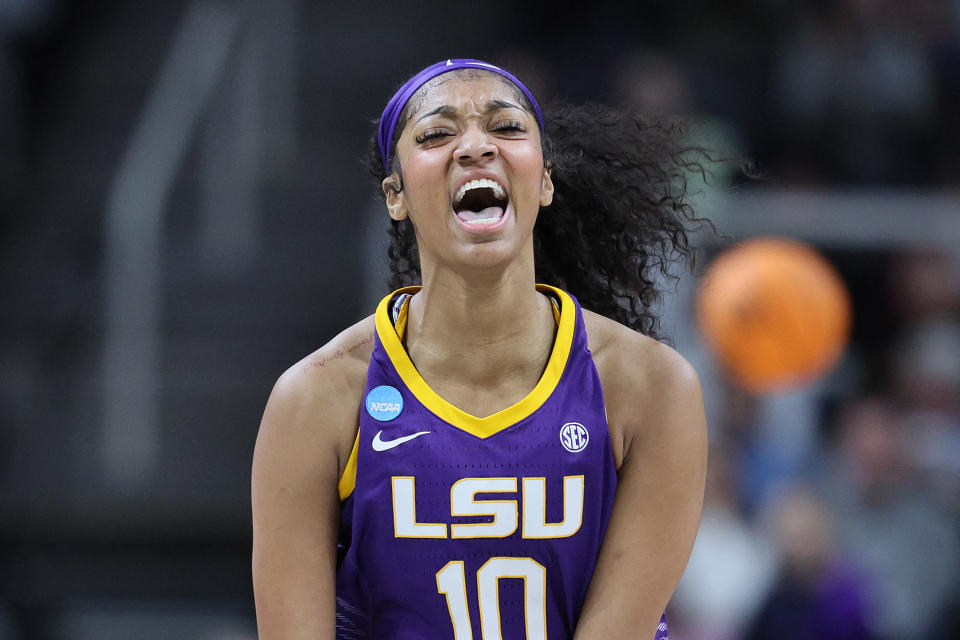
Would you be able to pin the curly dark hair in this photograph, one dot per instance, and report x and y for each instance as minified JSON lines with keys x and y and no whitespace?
{"x":620,"y":214}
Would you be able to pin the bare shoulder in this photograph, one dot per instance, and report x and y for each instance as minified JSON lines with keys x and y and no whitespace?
{"x":318,"y":398}
{"x":341,"y":362}
{"x":644,"y":381}
{"x":306,"y":434}
{"x":649,"y":366}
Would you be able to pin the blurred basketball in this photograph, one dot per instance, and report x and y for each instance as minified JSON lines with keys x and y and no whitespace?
{"x":775,"y":312}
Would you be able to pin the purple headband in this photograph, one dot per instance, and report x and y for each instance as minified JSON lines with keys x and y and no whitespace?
{"x":388,"y":121}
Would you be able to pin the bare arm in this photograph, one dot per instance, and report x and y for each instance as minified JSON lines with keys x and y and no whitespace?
{"x":659,"y":412}
{"x":304,"y":441}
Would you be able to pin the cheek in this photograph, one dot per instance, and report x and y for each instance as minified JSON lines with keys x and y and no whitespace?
{"x":424,"y":179}
{"x":529,"y":164}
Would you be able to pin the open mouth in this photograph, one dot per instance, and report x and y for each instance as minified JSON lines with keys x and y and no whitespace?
{"x":480,"y":202}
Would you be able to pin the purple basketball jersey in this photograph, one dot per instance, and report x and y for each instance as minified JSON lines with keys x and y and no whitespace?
{"x":465,"y":528}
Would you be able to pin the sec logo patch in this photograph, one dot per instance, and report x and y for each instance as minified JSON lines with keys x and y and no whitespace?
{"x":574,"y":437}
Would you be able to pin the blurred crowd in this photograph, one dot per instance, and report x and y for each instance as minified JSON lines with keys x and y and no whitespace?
{"x":819,"y":93}
{"x":834,"y":511}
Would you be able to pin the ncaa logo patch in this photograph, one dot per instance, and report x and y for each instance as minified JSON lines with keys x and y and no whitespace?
{"x":384,"y":403}
{"x":574,"y":437}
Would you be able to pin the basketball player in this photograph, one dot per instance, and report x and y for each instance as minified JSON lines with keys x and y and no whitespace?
{"x":490,"y":459}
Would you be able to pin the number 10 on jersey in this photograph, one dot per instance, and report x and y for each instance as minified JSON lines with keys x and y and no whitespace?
{"x":452,"y":583}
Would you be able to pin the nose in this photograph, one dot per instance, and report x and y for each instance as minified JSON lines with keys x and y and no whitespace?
{"x":475,"y":145}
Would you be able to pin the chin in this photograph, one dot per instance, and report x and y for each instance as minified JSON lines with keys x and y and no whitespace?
{"x":497,"y":255}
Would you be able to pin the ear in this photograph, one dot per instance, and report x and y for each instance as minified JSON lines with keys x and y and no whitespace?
{"x":393,"y":192}
{"x":546,"y":186}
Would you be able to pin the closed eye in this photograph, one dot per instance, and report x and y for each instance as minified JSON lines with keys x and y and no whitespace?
{"x":432,"y":134}
{"x":509,"y":125}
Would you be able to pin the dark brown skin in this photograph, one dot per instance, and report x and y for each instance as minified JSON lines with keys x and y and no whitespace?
{"x":484,"y":281}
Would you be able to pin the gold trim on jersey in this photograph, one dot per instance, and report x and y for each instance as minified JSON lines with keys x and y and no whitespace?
{"x":492,"y":424}
{"x":348,"y":479}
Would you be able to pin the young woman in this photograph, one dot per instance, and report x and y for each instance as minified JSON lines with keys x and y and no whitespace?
{"x":494,"y":460}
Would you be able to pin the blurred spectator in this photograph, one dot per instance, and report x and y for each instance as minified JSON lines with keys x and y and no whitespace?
{"x":928,"y":371}
{"x":904,"y":541}
{"x":817,"y":594}
{"x":653,"y":82}
{"x":773,"y":438}
{"x":656,"y":83}
{"x":925,"y":366}
{"x":924,"y":284}
{"x":854,"y":85}
{"x":730,"y":568}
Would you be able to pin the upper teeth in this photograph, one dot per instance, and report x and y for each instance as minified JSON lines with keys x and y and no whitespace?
{"x":482,"y":183}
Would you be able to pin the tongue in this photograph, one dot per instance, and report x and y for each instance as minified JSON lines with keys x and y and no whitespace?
{"x":490,"y":213}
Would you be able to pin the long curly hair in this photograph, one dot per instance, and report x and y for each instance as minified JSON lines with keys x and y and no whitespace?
{"x":620,"y":216}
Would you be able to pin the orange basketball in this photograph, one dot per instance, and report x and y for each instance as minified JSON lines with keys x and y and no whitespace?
{"x":775,"y":312}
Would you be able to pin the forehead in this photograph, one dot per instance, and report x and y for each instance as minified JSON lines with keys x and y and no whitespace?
{"x":463,"y":85}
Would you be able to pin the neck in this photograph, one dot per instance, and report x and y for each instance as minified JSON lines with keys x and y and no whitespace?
{"x":498,"y":323}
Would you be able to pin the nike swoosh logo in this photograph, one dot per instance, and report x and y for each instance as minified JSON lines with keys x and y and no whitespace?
{"x":383,"y":445}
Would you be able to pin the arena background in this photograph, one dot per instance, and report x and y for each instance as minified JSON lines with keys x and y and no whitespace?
{"x":185,"y":214}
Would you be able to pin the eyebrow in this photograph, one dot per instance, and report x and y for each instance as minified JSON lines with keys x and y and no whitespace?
{"x":493,"y":105}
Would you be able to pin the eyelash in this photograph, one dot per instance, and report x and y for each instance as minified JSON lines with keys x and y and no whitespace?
{"x":509,"y":125}
{"x":432,"y":134}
